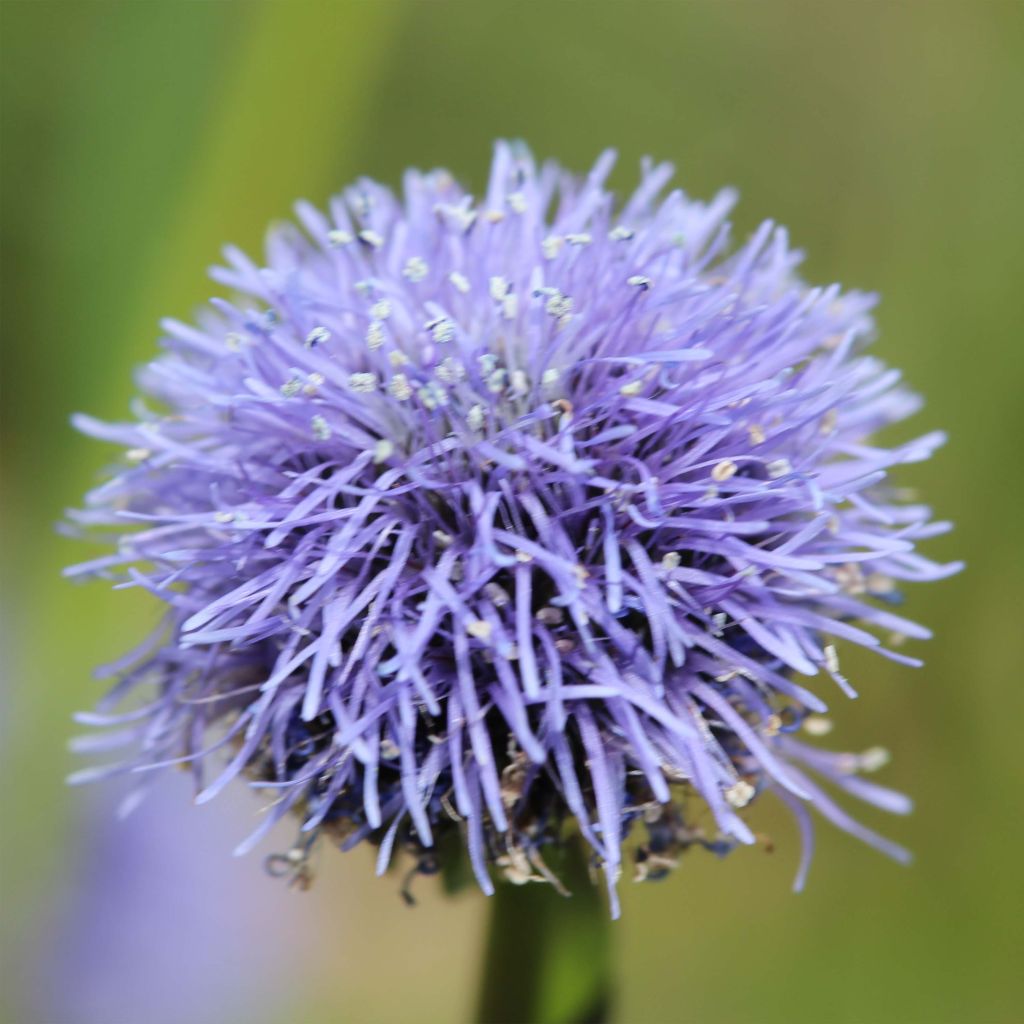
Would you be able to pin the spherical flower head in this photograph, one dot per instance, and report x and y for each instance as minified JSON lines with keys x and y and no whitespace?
{"x":510,"y":517}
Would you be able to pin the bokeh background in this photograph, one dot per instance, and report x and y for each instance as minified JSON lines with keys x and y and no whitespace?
{"x":139,"y":136}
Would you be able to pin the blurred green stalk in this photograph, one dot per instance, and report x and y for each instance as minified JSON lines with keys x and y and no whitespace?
{"x":548,"y":958}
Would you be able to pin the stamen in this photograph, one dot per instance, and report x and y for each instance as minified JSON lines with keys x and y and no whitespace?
{"x":552,"y":246}
{"x":363,"y":383}
{"x":415,"y":269}
{"x":873,"y":759}
{"x":724,"y":470}
{"x":318,"y":336}
{"x":375,"y":335}
{"x":817,"y":725}
{"x":475,"y":417}
{"x":559,"y":305}
{"x":321,"y":431}
{"x":400,"y":388}
{"x":479,"y":628}
{"x":739,"y":794}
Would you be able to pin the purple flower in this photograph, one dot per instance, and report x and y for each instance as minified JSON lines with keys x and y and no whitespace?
{"x":509,"y":515}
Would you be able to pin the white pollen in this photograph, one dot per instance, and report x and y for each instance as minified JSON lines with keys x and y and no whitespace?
{"x":559,"y":305}
{"x":550,"y":616}
{"x":520,"y":383}
{"x":756,"y":432}
{"x":671,"y":560}
{"x":639,"y":281}
{"x":444,"y":540}
{"x":397,"y":358}
{"x":381,"y":309}
{"x":459,"y":281}
{"x":723,"y":470}
{"x":338,"y":238}
{"x":510,"y":306}
{"x":442,"y":330}
{"x":430,"y":397}
{"x":499,"y":288}
{"x":460,"y":217}
{"x":494,"y":216}
{"x":375,"y":335}
{"x":817,"y":725}
{"x":634,"y":387}
{"x":479,"y":628}
{"x":318,"y":336}
{"x":291,"y":387}
{"x":382,"y":451}
{"x":321,"y":431}
{"x":739,"y":794}
{"x":498,"y":594}
{"x":371,"y":238}
{"x":475,"y":417}
{"x":779,"y":467}
{"x":415,"y":269}
{"x":579,"y":238}
{"x":620,"y":234}
{"x":550,"y":376}
{"x":400,"y":388}
{"x":137,"y":454}
{"x":873,"y":759}
{"x":224,"y":517}
{"x":449,"y":370}
{"x":496,"y":381}
{"x":552,"y":246}
{"x":364,"y":383}
{"x":517,"y":202}
{"x":851,"y":578}
{"x":831,"y":658}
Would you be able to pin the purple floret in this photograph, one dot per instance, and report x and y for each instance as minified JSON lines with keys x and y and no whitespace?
{"x":503,"y":517}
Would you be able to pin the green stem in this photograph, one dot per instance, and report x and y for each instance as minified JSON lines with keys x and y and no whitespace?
{"x":548,"y":957}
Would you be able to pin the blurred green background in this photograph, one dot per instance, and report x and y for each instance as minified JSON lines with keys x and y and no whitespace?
{"x":137,"y":137}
